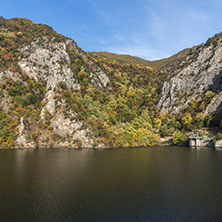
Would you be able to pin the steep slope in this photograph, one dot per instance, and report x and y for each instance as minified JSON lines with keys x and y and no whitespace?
{"x":190,"y":85}
{"x":171,"y":63}
{"x":53,"y":94}
{"x":38,"y":67}
{"x":198,"y":78}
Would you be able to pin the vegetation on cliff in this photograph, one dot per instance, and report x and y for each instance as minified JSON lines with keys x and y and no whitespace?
{"x":65,"y":96}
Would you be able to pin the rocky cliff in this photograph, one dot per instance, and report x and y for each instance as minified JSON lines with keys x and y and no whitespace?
{"x":54,"y":65}
{"x":198,"y":74}
{"x":54,"y":94}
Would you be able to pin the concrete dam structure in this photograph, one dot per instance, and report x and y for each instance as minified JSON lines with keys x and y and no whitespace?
{"x":196,"y":141}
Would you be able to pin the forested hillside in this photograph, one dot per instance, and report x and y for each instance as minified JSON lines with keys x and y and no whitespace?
{"x":53,"y":94}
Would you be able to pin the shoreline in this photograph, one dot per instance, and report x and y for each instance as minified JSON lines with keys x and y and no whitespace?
{"x":103,"y":148}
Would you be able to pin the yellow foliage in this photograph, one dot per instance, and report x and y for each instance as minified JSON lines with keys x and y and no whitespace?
{"x":187,"y":119}
{"x":130,"y":92}
{"x":157,"y":123}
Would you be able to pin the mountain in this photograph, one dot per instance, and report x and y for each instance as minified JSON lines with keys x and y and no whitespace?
{"x":197,"y":80}
{"x":162,"y":64}
{"x":54,"y":94}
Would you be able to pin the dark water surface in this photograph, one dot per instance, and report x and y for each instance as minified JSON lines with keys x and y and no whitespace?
{"x":135,"y":184}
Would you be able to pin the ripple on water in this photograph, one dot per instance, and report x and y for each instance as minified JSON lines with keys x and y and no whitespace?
{"x":144,"y":184}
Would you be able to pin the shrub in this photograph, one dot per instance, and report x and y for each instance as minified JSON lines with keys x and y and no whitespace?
{"x":1,"y":94}
{"x":180,"y":138}
{"x":63,"y":85}
{"x":83,"y":127}
{"x":219,"y":136}
{"x":164,"y":130}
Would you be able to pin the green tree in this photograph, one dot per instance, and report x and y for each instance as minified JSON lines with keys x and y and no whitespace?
{"x":164,"y":130}
{"x":186,"y":121}
{"x":63,"y":85}
{"x":157,"y":123}
{"x":180,"y":138}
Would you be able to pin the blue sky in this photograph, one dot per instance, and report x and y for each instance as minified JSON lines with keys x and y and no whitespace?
{"x":151,"y":29}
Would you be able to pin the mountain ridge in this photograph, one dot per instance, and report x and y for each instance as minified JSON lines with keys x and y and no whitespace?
{"x":54,"y":94}
{"x":157,"y":64}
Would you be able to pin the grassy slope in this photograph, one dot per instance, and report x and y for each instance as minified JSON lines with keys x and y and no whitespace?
{"x":157,"y":64}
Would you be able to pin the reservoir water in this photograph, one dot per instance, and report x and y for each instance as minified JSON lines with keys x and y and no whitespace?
{"x":128,"y":184}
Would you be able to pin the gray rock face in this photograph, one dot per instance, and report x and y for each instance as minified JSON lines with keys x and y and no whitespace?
{"x":99,"y":77}
{"x":71,"y":130}
{"x":45,"y":60}
{"x":50,"y":103}
{"x":48,"y":62}
{"x":66,"y":127}
{"x":6,"y":102}
{"x":215,"y":105}
{"x":207,"y":142}
{"x":8,"y":74}
{"x":22,"y":139}
{"x":189,"y":83}
{"x":218,"y":144}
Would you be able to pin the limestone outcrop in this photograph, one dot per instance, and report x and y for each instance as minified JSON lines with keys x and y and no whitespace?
{"x":47,"y":61}
{"x":201,"y":72}
{"x":218,"y":144}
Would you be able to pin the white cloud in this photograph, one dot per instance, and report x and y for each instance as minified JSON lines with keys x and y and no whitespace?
{"x":155,"y":29}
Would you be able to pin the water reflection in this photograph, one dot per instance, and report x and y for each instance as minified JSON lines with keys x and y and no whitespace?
{"x":137,"y":184}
